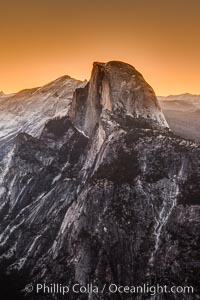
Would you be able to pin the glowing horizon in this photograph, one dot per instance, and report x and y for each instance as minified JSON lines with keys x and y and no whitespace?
{"x":43,"y":40}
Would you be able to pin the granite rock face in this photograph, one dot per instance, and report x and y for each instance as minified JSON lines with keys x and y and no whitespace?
{"x":107,"y":194}
{"x":120,"y":89}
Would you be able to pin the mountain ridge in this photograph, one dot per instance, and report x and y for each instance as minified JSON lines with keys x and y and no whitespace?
{"x":184,"y":96}
{"x":112,"y":200}
{"x":28,"y":110}
{"x":183,"y":114}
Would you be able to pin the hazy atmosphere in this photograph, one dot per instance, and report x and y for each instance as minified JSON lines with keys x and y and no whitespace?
{"x":42,"y":40}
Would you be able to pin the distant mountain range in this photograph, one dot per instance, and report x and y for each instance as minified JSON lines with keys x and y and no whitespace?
{"x":183,"y":114}
{"x":186,"y":96}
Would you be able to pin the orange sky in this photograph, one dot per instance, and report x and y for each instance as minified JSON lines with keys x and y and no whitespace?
{"x":44,"y":39}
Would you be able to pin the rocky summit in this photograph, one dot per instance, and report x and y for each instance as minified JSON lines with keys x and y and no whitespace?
{"x":105,"y":195}
{"x":119,"y":88}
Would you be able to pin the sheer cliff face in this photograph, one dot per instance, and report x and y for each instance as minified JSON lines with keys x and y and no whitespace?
{"x":105,"y":195}
{"x":120,"y":89}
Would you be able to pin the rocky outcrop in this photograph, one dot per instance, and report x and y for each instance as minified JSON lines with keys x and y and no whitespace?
{"x":105,"y":195}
